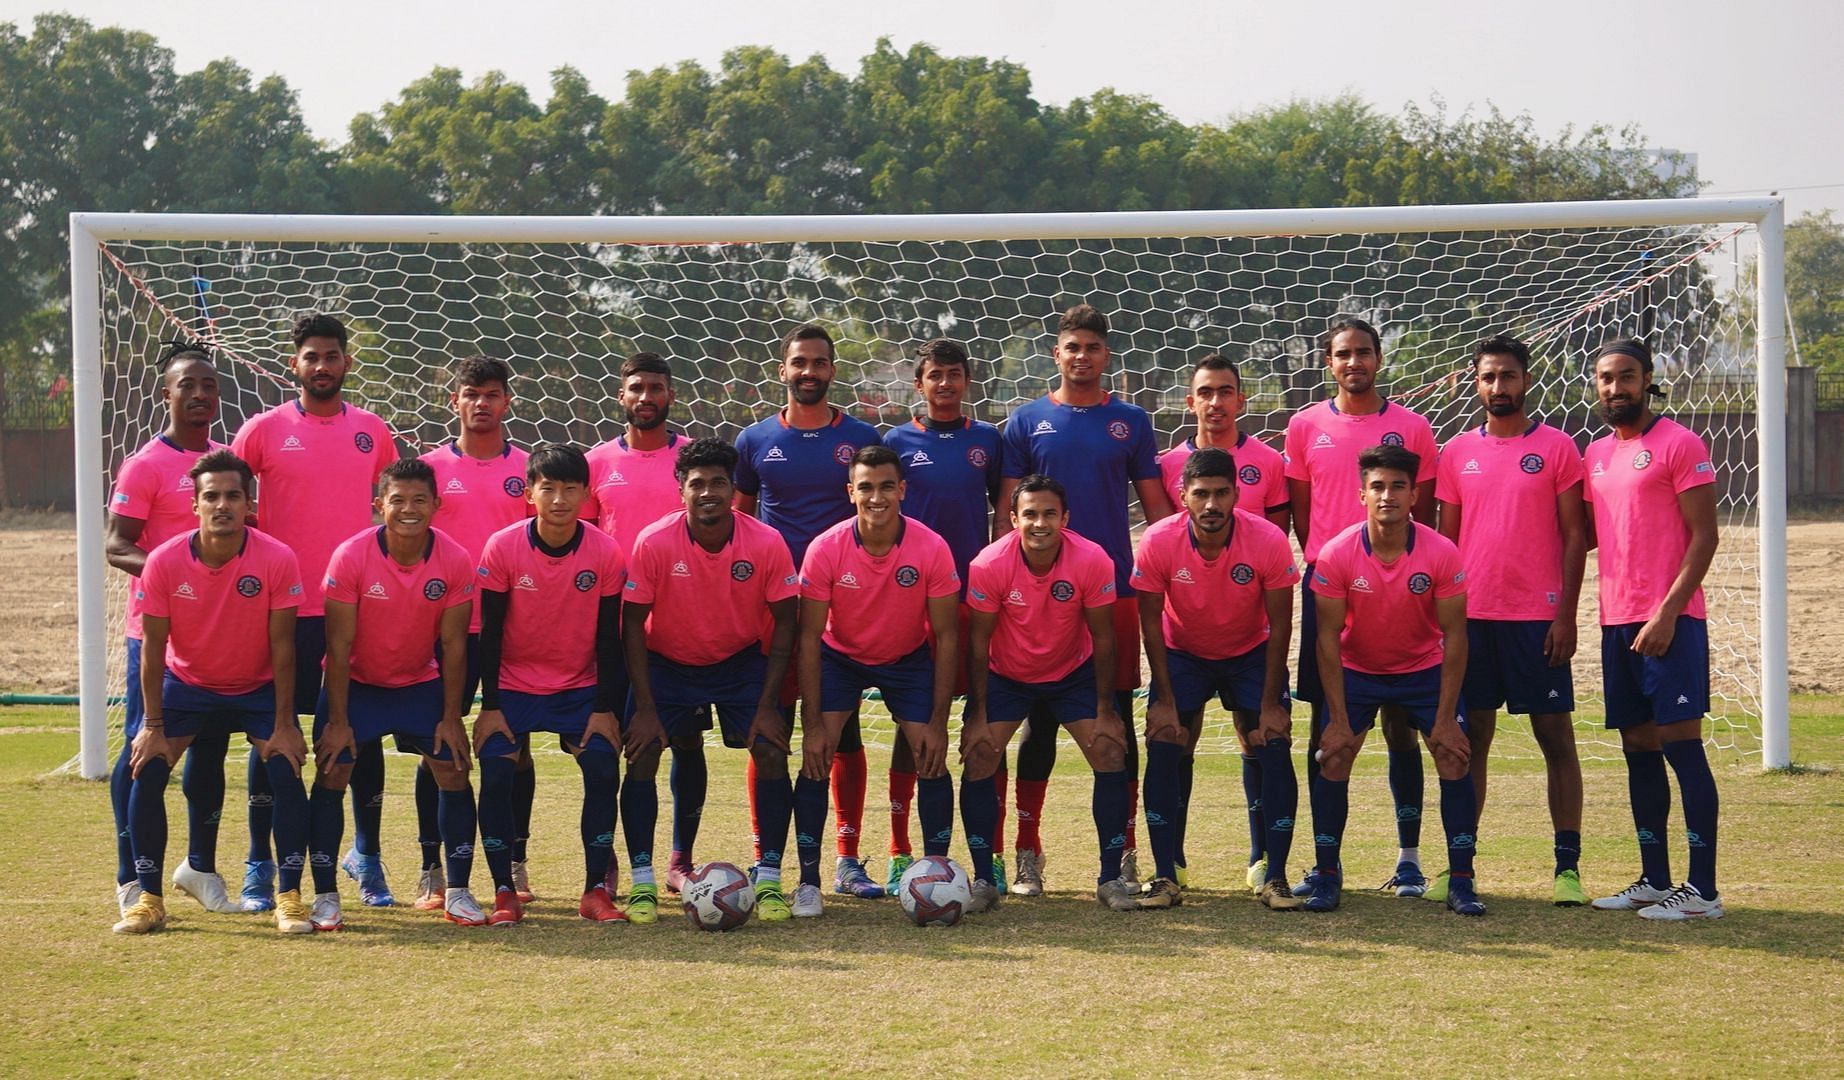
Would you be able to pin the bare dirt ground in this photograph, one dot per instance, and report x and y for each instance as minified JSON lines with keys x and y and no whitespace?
{"x":38,"y":605}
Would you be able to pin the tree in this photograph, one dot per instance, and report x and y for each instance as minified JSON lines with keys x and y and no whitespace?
{"x":1815,"y":288}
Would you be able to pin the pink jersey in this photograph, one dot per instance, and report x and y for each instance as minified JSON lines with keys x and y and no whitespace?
{"x":316,"y":477}
{"x":554,"y":601}
{"x":1042,"y":634}
{"x":709,"y":605}
{"x":1215,"y":608}
{"x":1510,"y":537}
{"x":400,"y":607}
{"x":631,"y":489}
{"x":878,"y":609}
{"x":1321,"y":447}
{"x":1261,"y":476}
{"x":479,"y":498}
{"x":1633,"y":486}
{"x":154,"y":486}
{"x":1390,"y":622}
{"x":218,"y":637}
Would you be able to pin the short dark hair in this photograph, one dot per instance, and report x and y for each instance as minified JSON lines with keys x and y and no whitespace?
{"x":1083,"y":317}
{"x":1209,"y":461}
{"x":1349,"y":322}
{"x":809,"y":332}
{"x":222,"y":460}
{"x":481,"y":370}
{"x":1396,"y":458}
{"x":560,"y":462}
{"x":318,"y":324}
{"x":650,"y":363}
{"x":1502,"y":345}
{"x":407,"y":470}
{"x":174,"y":351}
{"x":1216,"y":361}
{"x":944,"y":351}
{"x":876,"y":456}
{"x":703,"y":452}
{"x":1039,"y":482}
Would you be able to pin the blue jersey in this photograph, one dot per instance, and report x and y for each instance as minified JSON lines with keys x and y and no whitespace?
{"x":1096,"y":452}
{"x":799,"y":477}
{"x":953,"y":476}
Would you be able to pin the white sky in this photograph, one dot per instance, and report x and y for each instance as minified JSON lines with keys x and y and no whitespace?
{"x":1756,"y":90}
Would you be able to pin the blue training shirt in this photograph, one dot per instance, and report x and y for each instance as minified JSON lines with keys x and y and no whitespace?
{"x":953,"y":474}
{"x":799,"y":477}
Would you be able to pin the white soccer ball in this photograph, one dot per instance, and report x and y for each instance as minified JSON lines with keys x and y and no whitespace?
{"x":718,"y":896}
{"x":935,"y":891}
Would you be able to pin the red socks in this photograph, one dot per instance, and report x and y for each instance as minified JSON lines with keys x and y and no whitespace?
{"x":1030,"y":810}
{"x":850,"y":777}
{"x":902,"y":793}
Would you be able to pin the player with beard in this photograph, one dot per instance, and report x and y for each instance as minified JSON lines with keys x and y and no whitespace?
{"x":317,"y":461}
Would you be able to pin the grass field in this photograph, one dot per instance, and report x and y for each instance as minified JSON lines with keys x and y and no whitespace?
{"x":1052,"y":986}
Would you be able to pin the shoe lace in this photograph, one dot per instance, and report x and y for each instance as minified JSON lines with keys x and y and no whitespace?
{"x":1676,"y":897}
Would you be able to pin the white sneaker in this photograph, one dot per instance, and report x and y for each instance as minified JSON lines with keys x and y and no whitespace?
{"x":325,"y":915}
{"x":1684,"y":903}
{"x":459,"y":906}
{"x":807,"y":903}
{"x":1029,"y":880}
{"x":207,"y":889}
{"x":127,"y":894}
{"x":1640,"y":894}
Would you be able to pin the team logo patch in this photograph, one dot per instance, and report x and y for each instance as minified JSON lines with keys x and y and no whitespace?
{"x":976,"y":456}
{"x":1391,"y":438}
{"x":1063,"y":590}
{"x":1242,"y":573}
{"x":249,"y":585}
{"x":742,"y":570}
{"x":515,"y":486}
{"x":585,"y":581}
{"x":843,"y":453}
{"x":435,"y":589}
{"x":1250,"y":475}
{"x":363,"y":442}
{"x":1532,"y":463}
{"x":1420,"y":583}
{"x":1642,"y":459}
{"x":1118,"y":429}
{"x":907,"y":576}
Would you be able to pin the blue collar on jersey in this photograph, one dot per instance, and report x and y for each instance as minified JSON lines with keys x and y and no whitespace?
{"x":192,"y":545}
{"x":672,"y":440}
{"x":384,"y":544}
{"x":1191,"y":441}
{"x":1365,"y":534}
{"x":902,"y":528}
{"x":1106,"y":399}
{"x":1534,"y":425}
{"x":1191,"y":534}
{"x":924,"y":423}
{"x":504,"y":451}
{"x":838,"y":417}
{"x":531,"y":534}
{"x":302,"y":409}
{"x":693,"y":537}
{"x":1332,"y":404}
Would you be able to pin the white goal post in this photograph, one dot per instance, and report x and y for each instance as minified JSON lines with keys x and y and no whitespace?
{"x":1419,"y":241}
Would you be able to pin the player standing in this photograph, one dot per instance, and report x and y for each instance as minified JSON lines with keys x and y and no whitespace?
{"x":1392,"y":636}
{"x":793,"y":470}
{"x":219,"y":604}
{"x":480,"y":477}
{"x":1101,"y":447}
{"x":152,"y":504}
{"x":705,"y":584}
{"x":317,"y":459}
{"x":1322,"y":446}
{"x":873,"y":591}
{"x":952,"y":472}
{"x":393,"y":594}
{"x":1215,"y":587}
{"x":550,"y":660}
{"x":1651,"y":486}
{"x":1510,"y":498}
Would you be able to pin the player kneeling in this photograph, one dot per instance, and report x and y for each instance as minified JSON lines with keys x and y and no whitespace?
{"x":550,"y":660}
{"x":393,"y":592}
{"x":219,"y":604}
{"x":1215,"y":589}
{"x":872,"y":588}
{"x":704,"y":584}
{"x":1392,"y":635}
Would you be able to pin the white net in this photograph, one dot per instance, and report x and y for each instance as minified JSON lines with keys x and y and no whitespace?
{"x":565,"y":315}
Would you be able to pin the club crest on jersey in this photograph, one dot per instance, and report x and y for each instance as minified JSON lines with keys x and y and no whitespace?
{"x":1642,"y":459}
{"x":249,"y":585}
{"x":1532,"y":464}
{"x":843,"y":453}
{"x":585,"y":580}
{"x":1391,"y":438}
{"x":976,"y":456}
{"x":907,"y":576}
{"x":515,"y":486}
{"x":435,"y":589}
{"x":1062,"y":590}
{"x":1420,"y":583}
{"x":1242,"y":573}
{"x":1250,"y":475}
{"x":1118,"y":429}
{"x":742,"y":570}
{"x":363,"y":441}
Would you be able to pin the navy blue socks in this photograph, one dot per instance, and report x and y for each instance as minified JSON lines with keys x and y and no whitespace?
{"x":601,"y":792}
{"x":326,"y":820}
{"x":496,"y":817}
{"x":812,"y":800}
{"x":1280,"y":802}
{"x":1161,"y":793}
{"x":688,"y":778}
{"x":979,"y":816}
{"x":1697,"y":785}
{"x":1405,"y":787}
{"x":1650,"y":792}
{"x":1109,"y":807}
{"x":454,"y":812}
{"x":1459,"y":817}
{"x":935,"y":808}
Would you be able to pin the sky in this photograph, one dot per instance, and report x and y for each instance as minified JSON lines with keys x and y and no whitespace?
{"x":1755,"y":90}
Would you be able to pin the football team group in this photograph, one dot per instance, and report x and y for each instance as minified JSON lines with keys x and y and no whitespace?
{"x":629,"y":598}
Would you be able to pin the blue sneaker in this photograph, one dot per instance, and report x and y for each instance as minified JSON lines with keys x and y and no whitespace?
{"x":258,"y":887}
{"x":998,"y":872}
{"x":851,"y":880}
{"x":1461,"y":899}
{"x":1310,"y":881}
{"x":1408,"y":881}
{"x":899,"y":865}
{"x":368,"y":871}
{"x":1327,"y":890}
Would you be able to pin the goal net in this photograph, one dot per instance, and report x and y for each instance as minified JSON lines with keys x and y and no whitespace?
{"x":564,"y":302}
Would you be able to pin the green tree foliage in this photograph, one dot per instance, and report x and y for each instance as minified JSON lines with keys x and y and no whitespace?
{"x":1815,"y":288}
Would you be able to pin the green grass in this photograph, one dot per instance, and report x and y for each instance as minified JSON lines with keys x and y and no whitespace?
{"x":1052,"y":986}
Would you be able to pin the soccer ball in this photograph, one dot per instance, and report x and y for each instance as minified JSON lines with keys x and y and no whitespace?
{"x":935,"y":891}
{"x":718,"y":896}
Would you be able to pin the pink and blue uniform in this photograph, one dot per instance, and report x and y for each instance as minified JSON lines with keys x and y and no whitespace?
{"x":480,"y":496}
{"x":1261,"y":476}
{"x":1041,"y":647}
{"x":953,"y":472}
{"x":799,"y":476}
{"x":631,"y":489}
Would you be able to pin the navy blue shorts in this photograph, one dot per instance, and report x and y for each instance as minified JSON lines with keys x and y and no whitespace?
{"x":1656,"y":689}
{"x":190,"y":711}
{"x":310,"y":655}
{"x":1069,"y":699}
{"x":564,"y":713}
{"x":1416,"y":692}
{"x":908,"y":684}
{"x":470,"y":687}
{"x":133,"y":709}
{"x":684,"y":694}
{"x":1306,"y":682}
{"x":1505,"y":666}
{"x":408,"y":712}
{"x":1236,"y":681}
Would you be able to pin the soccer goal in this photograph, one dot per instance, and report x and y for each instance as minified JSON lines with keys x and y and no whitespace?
{"x":565,"y":299}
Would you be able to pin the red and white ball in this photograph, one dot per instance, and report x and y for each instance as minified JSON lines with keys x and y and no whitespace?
{"x":935,"y":891}
{"x":717,"y":896}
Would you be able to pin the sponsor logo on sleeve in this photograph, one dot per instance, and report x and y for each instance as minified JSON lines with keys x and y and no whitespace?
{"x":1704,"y":467}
